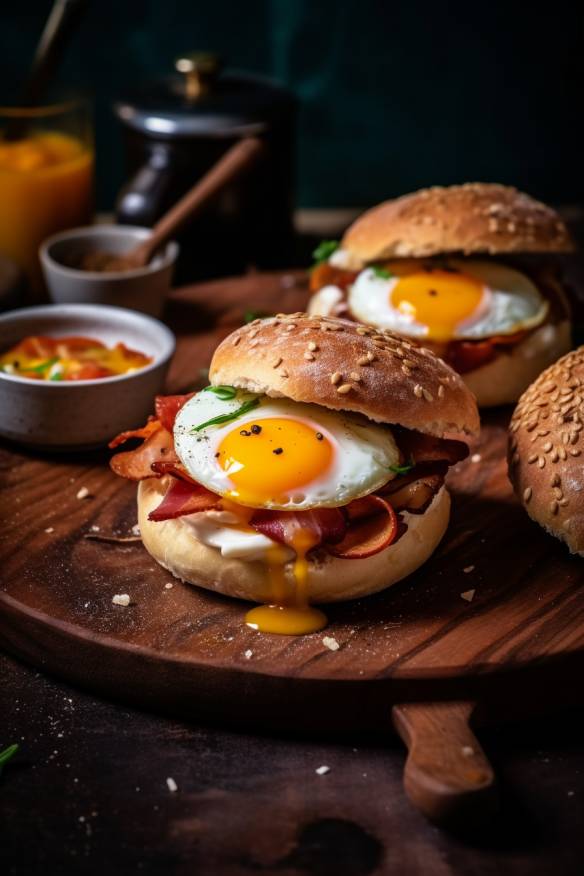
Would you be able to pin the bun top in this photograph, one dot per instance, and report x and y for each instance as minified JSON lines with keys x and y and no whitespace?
{"x":546,"y":450}
{"x":346,"y":366}
{"x":471,"y":218}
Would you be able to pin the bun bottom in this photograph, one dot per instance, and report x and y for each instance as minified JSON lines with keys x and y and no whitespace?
{"x":173,"y":545}
{"x":506,"y":378}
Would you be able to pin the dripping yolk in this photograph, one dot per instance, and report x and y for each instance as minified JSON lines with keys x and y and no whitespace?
{"x":438,"y":299}
{"x":269,"y":460}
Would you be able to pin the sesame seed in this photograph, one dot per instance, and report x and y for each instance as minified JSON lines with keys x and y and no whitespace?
{"x":406,"y":371}
{"x":83,"y":493}
{"x":547,"y":446}
{"x":361,"y":330}
{"x":312,"y":346}
{"x":531,"y":458}
{"x":354,"y":376}
{"x":278,"y":362}
{"x":371,"y":357}
{"x":344,"y":388}
{"x":236,"y":340}
{"x":527,"y":494}
{"x":574,"y":452}
{"x":427,"y":395}
{"x":253,"y":333}
{"x":309,"y":357}
{"x":556,"y":480}
{"x":418,"y":391}
{"x":336,"y":378}
{"x":554,"y":507}
{"x":541,"y":462}
{"x":363,"y":360}
{"x":290,"y":327}
{"x":440,"y":391}
{"x":409,"y":364}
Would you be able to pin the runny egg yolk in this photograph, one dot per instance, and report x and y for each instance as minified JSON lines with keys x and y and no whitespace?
{"x":269,"y":460}
{"x":437,"y":299}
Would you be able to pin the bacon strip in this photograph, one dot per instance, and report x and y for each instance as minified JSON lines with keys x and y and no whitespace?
{"x":171,"y":465}
{"x":183,"y":498}
{"x":373,"y":526}
{"x":137,"y":464}
{"x":326,"y":274}
{"x":324,"y":524}
{"x":427,"y":448}
{"x":144,"y":432}
{"x":168,"y":406}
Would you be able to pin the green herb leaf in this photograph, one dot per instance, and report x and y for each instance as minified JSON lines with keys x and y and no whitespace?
{"x":250,"y":315}
{"x":380,"y":272}
{"x":225,"y":393}
{"x":58,"y":375}
{"x":38,"y":369}
{"x":403,"y":469}
{"x":225,"y":418}
{"x":7,"y":755}
{"x":324,"y":251}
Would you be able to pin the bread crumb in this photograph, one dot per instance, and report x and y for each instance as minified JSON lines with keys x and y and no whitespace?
{"x":135,"y":529}
{"x":95,"y":528}
{"x":169,"y":585}
{"x":468,"y":569}
{"x":476,"y":457}
{"x":49,"y":529}
{"x":121,"y":599}
{"x":83,"y":493}
{"x":172,"y":785}
{"x":322,"y":770}
{"x":330,"y":643}
{"x":468,"y":750}
{"x":468,"y":595}
{"x":248,"y":654}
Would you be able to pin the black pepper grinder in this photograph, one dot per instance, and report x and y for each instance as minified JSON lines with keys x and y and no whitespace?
{"x":176,"y":128}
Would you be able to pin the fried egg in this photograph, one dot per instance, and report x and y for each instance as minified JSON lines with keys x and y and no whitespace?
{"x":447,"y":300}
{"x":282,"y":454}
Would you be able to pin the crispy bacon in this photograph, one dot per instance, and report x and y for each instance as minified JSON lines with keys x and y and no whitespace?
{"x":416,"y":495}
{"x":326,"y":525}
{"x":184,"y":498}
{"x":144,"y":432}
{"x":372,"y":526}
{"x":168,"y":406}
{"x":427,"y":448}
{"x":171,"y":465}
{"x":137,"y":464}
{"x":326,"y":275}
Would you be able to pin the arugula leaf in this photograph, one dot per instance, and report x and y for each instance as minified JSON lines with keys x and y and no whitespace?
{"x":380,"y":272}
{"x":225,"y":393}
{"x":324,"y":251}
{"x":7,"y":755}
{"x":403,"y":469}
{"x":250,"y":315}
{"x":38,"y":369}
{"x":58,"y":375}
{"x":225,"y":418}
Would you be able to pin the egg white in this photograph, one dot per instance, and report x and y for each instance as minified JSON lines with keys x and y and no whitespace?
{"x":363,"y":452}
{"x":510,"y":302}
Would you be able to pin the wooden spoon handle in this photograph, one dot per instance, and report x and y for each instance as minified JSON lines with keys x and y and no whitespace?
{"x":237,"y":159}
{"x":447,"y":775}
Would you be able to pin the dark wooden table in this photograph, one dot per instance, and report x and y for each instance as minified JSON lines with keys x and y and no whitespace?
{"x":88,"y":791}
{"x":87,"y":794}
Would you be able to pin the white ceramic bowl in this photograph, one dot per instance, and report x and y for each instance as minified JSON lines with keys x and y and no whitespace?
{"x":87,"y":413}
{"x":144,"y":289}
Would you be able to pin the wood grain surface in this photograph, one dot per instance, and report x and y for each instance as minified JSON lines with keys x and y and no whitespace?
{"x":183,"y":650}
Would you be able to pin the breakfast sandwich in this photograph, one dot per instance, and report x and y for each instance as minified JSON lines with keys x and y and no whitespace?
{"x":545,"y":450}
{"x":469,"y":271}
{"x":311,"y":470}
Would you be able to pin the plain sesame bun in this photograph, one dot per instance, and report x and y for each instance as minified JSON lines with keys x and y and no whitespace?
{"x":545,"y":450}
{"x":346,"y":367}
{"x":471,"y":218}
{"x":173,"y":545}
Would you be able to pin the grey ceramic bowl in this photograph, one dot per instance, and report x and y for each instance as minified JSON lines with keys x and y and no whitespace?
{"x":86,"y":413}
{"x":144,"y":289}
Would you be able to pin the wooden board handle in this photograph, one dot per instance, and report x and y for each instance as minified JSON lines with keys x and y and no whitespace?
{"x":447,"y":775}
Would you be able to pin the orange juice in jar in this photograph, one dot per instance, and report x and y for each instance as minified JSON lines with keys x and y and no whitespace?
{"x":46,"y":179}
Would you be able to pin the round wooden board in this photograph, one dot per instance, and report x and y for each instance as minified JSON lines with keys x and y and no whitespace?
{"x":185,"y":650}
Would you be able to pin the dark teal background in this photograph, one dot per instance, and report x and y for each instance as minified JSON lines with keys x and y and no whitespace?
{"x":393,"y":96}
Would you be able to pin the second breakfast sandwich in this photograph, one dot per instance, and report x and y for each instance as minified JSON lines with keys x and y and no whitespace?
{"x":470,"y":271}
{"x":311,"y":470}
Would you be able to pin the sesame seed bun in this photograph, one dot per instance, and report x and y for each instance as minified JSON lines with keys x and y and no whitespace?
{"x":470,"y":218}
{"x":545,"y":450}
{"x":173,"y":545}
{"x":346,"y":367}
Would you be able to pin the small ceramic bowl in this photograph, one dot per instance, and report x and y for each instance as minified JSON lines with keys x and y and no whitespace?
{"x":144,"y":289}
{"x":81,"y":414}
